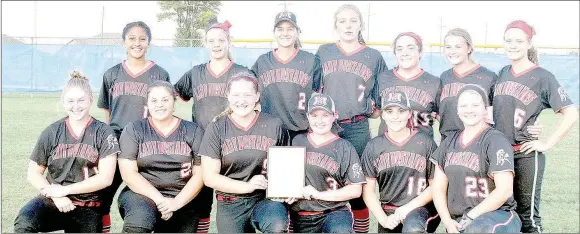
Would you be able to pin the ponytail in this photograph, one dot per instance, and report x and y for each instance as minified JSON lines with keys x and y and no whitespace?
{"x":533,"y":55}
{"x":226,"y":112}
{"x":297,"y":44}
{"x":360,"y":38}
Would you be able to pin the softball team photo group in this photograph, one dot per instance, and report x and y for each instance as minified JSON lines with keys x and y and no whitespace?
{"x":484,"y":176}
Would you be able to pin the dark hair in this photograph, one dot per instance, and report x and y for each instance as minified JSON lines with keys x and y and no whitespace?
{"x":131,"y":25}
{"x":246,"y":76}
{"x":163,"y":84}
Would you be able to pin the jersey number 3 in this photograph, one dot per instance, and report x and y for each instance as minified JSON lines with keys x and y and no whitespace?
{"x":476,"y":187}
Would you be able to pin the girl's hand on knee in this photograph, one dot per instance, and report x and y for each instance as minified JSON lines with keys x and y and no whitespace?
{"x":64,"y":204}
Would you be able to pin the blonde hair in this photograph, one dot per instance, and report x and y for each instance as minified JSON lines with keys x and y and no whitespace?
{"x":354,"y":8}
{"x":459,"y":32}
{"x":204,"y":39}
{"x":77,"y":80}
{"x":245,"y":76}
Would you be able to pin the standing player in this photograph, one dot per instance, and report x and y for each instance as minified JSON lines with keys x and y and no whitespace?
{"x":206,"y":83}
{"x":473,"y":182}
{"x":350,"y":77}
{"x":80,"y":154}
{"x":124,"y":91}
{"x":420,"y":86}
{"x":234,"y":150}
{"x":398,"y":161}
{"x":288,"y":75}
{"x":160,"y":164}
{"x":522,"y":91}
{"x":333,"y":174}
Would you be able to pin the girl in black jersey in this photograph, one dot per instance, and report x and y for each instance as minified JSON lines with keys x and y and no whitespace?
{"x":349,"y":76}
{"x":398,"y":160}
{"x":124,"y":91}
{"x":333,"y":174}
{"x":234,"y":152}
{"x":522,"y":91}
{"x":79,"y":154}
{"x":160,"y":164}
{"x":474,"y":176}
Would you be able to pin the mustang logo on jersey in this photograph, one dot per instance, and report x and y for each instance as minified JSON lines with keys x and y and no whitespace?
{"x":502,"y":157}
{"x":357,"y":170}
{"x":112,"y":141}
{"x":563,"y":95}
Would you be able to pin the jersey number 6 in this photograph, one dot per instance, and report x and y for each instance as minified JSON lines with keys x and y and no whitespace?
{"x":519,"y":115}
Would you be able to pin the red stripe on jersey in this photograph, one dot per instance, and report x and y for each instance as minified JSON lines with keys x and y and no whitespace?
{"x":322,"y":144}
{"x":404,"y":142}
{"x":282,"y":60}
{"x":408,"y":79}
{"x":465,"y":73}
{"x":222,"y":72}
{"x":516,"y":75}
{"x":249,"y":126}
{"x":72,"y":132}
{"x":343,"y":52}
{"x":134,"y":76}
{"x":159,"y":132}
{"x":466,"y":144}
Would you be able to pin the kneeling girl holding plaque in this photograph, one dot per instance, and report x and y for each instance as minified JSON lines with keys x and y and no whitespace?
{"x":333,"y":174}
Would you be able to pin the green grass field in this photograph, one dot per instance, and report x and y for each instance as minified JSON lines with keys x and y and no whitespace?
{"x":25,"y":115}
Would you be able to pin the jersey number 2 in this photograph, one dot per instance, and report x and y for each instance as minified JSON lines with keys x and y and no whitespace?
{"x":301,"y":101}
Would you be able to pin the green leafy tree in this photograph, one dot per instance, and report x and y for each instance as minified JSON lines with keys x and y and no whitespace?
{"x":190,"y":16}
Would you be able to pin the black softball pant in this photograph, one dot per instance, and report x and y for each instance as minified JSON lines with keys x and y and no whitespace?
{"x":529,"y":175}
{"x":41,"y":215}
{"x":140,"y":215}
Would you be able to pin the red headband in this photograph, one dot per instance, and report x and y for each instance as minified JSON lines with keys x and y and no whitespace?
{"x":225,"y":26}
{"x":521,"y":25}
{"x":414,"y":36}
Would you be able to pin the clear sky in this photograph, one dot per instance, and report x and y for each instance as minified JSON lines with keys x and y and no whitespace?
{"x":556,"y":23}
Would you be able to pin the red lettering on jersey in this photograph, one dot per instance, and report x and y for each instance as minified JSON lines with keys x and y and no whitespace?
{"x":400,"y":158}
{"x":117,"y":89}
{"x":79,"y":150}
{"x":285,"y":75}
{"x":323,"y":161}
{"x":418,"y":96}
{"x":516,"y":90}
{"x":465,"y":159}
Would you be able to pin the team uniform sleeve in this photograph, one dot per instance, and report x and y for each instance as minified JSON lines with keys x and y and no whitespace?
{"x":553,"y":94}
{"x":41,"y":151}
{"x":317,"y":74}
{"x":164,"y":75}
{"x":183,"y":87}
{"x":196,"y":145}
{"x":494,"y":78}
{"x":366,"y":161}
{"x":108,"y":143}
{"x":375,"y":93}
{"x":438,"y":155}
{"x":211,"y":144}
{"x":104,"y":101}
{"x":500,"y":155}
{"x":129,"y":143}
{"x":350,"y":167}
{"x":430,"y":167}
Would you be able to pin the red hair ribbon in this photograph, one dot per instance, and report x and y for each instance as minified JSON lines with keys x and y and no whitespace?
{"x":521,"y":25}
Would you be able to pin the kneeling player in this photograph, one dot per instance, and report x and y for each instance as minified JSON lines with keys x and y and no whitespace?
{"x":399,"y":161}
{"x":234,"y":150}
{"x":80,"y":154}
{"x":333,"y":174}
{"x":473,"y":182}
{"x":161,"y":167}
